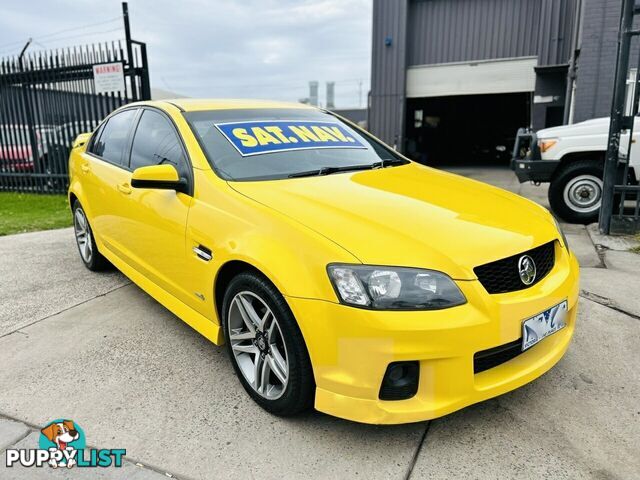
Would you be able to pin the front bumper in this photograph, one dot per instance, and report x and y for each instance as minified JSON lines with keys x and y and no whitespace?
{"x":527,"y":162}
{"x":534,"y":170}
{"x":350,"y":348}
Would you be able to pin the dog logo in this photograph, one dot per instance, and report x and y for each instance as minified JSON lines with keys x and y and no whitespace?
{"x":62,"y":444}
{"x":64,"y":436}
{"x":527,"y":269}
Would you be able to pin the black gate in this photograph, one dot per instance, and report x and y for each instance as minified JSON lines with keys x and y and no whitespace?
{"x":620,"y":212}
{"x":49,"y":97}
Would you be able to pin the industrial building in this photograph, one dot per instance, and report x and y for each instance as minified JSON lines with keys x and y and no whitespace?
{"x":453,"y":80}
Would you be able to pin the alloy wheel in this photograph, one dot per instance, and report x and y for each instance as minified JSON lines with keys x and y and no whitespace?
{"x":258,"y":345}
{"x":83,"y":235}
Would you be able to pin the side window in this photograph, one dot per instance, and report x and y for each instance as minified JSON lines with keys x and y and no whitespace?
{"x":113,"y":138}
{"x":156,"y":143}
{"x":94,"y":140}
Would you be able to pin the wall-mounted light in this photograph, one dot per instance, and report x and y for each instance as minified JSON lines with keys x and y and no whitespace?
{"x":388,"y":41}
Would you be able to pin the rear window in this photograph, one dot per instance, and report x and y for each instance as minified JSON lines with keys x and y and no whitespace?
{"x":267,"y":144}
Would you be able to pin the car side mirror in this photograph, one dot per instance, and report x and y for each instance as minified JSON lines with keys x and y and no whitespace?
{"x":81,"y":140}
{"x":160,"y":177}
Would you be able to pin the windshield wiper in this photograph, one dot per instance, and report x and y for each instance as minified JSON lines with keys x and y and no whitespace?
{"x":329,"y":170}
{"x":390,"y":162}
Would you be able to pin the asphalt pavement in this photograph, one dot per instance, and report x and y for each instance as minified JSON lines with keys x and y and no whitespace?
{"x":95,"y":348}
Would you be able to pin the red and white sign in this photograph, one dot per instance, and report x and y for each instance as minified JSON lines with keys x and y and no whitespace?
{"x":108,"y":77}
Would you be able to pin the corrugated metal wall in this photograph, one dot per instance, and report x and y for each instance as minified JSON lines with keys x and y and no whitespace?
{"x":597,"y":60}
{"x":444,"y":31}
{"x":388,"y":70}
{"x":555,"y":33}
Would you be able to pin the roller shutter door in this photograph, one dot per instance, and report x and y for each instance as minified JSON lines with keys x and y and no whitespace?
{"x":472,"y":78}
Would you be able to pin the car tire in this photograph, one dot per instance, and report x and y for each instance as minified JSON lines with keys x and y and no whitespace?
{"x":575,"y":192}
{"x":254,"y":295}
{"x":85,"y":241}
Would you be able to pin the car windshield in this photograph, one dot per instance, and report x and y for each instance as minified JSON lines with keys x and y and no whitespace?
{"x":267,"y":144}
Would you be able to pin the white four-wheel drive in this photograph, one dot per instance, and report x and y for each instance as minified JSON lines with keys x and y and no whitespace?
{"x":571,"y":158}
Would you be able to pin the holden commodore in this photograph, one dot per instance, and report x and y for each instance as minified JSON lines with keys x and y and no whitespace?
{"x":339,"y":274}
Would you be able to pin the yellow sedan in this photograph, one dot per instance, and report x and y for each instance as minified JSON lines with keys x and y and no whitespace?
{"x":340,"y":275}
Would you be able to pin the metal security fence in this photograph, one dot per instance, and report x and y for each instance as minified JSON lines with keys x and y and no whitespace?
{"x":49,"y":97}
{"x":620,"y":212}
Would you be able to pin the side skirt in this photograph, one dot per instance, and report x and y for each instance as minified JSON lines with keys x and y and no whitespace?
{"x":195,"y":320}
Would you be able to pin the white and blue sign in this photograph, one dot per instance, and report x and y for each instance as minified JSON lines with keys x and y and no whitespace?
{"x":267,"y":136}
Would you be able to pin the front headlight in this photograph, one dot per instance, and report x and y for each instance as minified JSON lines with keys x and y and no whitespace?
{"x":394,"y":288}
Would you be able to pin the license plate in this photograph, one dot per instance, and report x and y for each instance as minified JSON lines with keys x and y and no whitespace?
{"x":543,"y":324}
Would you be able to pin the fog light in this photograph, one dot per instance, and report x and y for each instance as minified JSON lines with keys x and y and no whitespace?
{"x":400,"y":381}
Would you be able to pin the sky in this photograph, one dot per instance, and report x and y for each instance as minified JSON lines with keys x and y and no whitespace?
{"x":217,"y":48}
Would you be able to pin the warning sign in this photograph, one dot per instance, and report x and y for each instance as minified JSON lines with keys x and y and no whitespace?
{"x":108,"y":77}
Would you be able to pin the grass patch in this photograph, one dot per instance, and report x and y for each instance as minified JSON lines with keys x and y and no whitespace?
{"x":636,"y":249}
{"x":28,"y":212}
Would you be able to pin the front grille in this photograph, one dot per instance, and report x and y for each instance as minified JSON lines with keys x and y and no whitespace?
{"x":502,"y":276}
{"x":493,"y":357}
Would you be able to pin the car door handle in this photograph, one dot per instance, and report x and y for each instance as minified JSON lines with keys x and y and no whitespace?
{"x":203,"y":253}
{"x":85,"y":168}
{"x":124,"y":188}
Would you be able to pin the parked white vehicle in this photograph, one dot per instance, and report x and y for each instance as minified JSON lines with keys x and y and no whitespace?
{"x":571,"y":158}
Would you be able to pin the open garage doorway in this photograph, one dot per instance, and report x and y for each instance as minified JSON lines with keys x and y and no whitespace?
{"x":465,"y":129}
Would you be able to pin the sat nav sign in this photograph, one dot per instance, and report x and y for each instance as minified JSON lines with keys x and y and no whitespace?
{"x":108,"y":77}
{"x":267,"y":136}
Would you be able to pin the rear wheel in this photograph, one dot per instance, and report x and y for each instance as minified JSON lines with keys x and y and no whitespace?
{"x":266,"y":346}
{"x":575,"y":193}
{"x":89,"y":253}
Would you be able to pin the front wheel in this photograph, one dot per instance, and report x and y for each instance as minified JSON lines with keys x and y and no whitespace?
{"x":575,"y":193}
{"x":266,"y":346}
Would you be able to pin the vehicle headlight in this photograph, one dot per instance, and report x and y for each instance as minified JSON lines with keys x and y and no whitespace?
{"x":565,"y":244}
{"x":394,"y":288}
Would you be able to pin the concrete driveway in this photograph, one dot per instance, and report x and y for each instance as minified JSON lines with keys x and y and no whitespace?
{"x":95,"y":348}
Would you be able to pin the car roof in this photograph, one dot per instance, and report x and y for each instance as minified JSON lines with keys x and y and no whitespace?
{"x":200,"y":104}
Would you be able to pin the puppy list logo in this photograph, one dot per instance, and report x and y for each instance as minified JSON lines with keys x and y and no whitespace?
{"x":62,"y":444}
